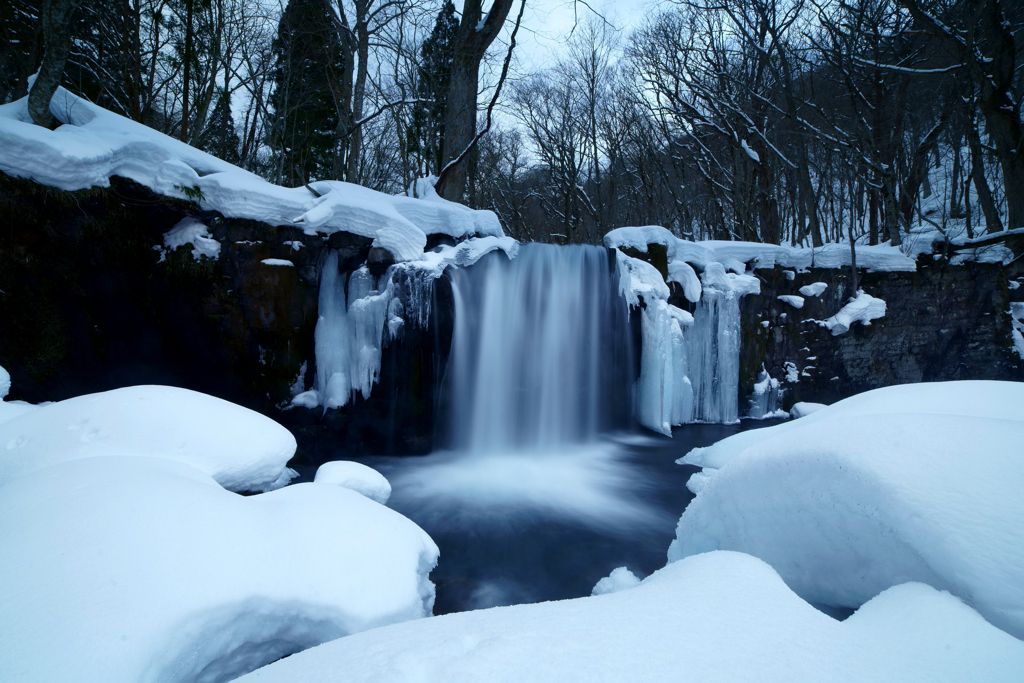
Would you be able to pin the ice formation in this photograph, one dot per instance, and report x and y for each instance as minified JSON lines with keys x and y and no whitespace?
{"x":1017,"y":329}
{"x":766,"y":400}
{"x":537,"y":348}
{"x":917,"y":482}
{"x":716,"y":618}
{"x":240,"y":449}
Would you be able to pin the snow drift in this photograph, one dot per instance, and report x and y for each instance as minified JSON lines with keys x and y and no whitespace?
{"x":716,"y":617}
{"x":907,"y":483}
{"x":240,"y":449}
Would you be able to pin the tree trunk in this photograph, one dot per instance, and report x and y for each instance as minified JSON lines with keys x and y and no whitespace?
{"x":355,"y":141}
{"x":56,"y":21}
{"x":988,"y":205}
{"x":187,"y":73}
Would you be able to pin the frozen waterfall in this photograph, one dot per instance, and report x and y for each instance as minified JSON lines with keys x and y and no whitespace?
{"x":540,"y":354}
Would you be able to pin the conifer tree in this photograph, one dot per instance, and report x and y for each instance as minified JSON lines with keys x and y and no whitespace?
{"x":303,"y":119}
{"x":220,"y":137}
{"x":425,"y":135}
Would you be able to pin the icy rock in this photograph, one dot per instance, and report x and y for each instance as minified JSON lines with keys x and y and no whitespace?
{"x":871,"y":492}
{"x":239,"y":448}
{"x":716,"y":618}
{"x":863,"y":309}
{"x":1017,"y":327}
{"x":794,"y":301}
{"x":803,"y":409}
{"x":766,"y":397}
{"x":359,"y":478}
{"x":813,"y":290}
{"x":128,"y":569}
{"x":620,"y":579}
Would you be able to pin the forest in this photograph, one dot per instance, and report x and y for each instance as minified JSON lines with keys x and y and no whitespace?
{"x":798,"y":122}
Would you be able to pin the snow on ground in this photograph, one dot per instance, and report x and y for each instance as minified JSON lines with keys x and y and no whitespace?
{"x":137,"y":569}
{"x":863,"y":308}
{"x":916,"y":482}
{"x":95,"y":144}
{"x":620,"y":579}
{"x":241,"y":449}
{"x":719,"y":617}
{"x":355,"y":476}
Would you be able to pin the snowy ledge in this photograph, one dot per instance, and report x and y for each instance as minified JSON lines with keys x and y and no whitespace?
{"x":94,"y":144}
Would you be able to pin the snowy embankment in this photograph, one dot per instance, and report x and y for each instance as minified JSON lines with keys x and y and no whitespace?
{"x":123,"y":558}
{"x":718,"y":617}
{"x":94,"y":144}
{"x":917,"y":482}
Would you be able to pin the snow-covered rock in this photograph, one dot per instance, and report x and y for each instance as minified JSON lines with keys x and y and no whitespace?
{"x":1017,"y":327}
{"x":907,"y":483}
{"x":191,"y":231}
{"x":716,"y":618}
{"x":134,"y":569}
{"x":5,"y":383}
{"x":353,"y":475}
{"x":620,"y":579}
{"x":792,"y":300}
{"x":241,"y":449}
{"x":814,"y":289}
{"x":95,"y":144}
{"x":803,"y":409}
{"x":863,"y":309}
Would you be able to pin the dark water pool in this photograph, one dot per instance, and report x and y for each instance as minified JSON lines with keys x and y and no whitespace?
{"x":528,"y":527}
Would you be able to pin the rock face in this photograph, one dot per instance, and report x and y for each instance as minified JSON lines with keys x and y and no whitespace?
{"x":942,"y":322}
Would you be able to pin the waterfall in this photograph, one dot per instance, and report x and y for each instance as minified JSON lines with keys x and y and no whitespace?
{"x":540,"y":349}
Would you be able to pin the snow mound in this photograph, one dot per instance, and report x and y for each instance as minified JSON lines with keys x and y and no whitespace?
{"x":863,"y":308}
{"x":814,"y":289}
{"x":906,"y":483}
{"x":241,"y":449}
{"x":792,"y":300}
{"x":193,"y":232}
{"x":94,"y":144}
{"x":803,"y":409}
{"x":129,"y":569}
{"x":620,"y":579}
{"x":716,"y":618}
{"x":359,"y":478}
{"x":5,"y":383}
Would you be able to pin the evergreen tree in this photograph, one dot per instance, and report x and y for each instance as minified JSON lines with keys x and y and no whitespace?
{"x":304,"y":118}
{"x":425,"y":135}
{"x":219,"y":138}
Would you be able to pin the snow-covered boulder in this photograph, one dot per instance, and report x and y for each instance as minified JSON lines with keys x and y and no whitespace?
{"x":620,"y":579}
{"x":353,"y":475}
{"x":138,"y":569}
{"x":716,"y":618}
{"x":804,"y":408}
{"x":241,"y":449}
{"x":907,"y":483}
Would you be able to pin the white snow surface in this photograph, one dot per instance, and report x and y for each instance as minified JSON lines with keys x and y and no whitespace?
{"x":277,"y":262}
{"x":355,"y":476}
{"x":863,"y":308}
{"x":191,"y":231}
{"x":95,"y":144}
{"x":716,"y":618}
{"x":916,"y":482}
{"x":803,"y":409}
{"x":813,"y":289}
{"x":873,"y":258}
{"x":792,"y":300}
{"x":620,"y":579}
{"x":239,"y":448}
{"x":143,"y":569}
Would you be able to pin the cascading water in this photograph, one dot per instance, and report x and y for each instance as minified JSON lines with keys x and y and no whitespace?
{"x":540,"y":349}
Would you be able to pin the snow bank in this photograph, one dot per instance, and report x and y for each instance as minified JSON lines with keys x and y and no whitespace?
{"x":136,"y":569}
{"x":95,"y":144}
{"x":620,"y":579}
{"x":863,"y":308}
{"x":873,"y":258}
{"x":720,"y":617}
{"x":355,"y":476}
{"x":907,"y":483}
{"x":240,"y":449}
